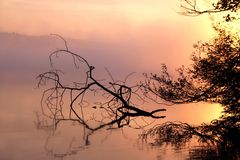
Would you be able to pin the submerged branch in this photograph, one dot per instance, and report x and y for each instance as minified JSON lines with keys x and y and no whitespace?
{"x":70,"y":102}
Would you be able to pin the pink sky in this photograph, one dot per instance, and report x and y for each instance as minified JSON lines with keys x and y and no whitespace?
{"x":109,"y":19}
{"x":151,"y":27}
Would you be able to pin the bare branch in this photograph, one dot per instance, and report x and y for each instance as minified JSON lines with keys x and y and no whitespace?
{"x":114,"y":103}
{"x":191,"y":7}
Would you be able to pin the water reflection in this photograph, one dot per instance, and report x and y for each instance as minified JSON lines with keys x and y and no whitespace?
{"x":203,"y":153}
{"x":19,"y":135}
{"x":186,"y":139}
{"x":211,"y":153}
{"x":67,"y":141}
{"x":193,"y":151}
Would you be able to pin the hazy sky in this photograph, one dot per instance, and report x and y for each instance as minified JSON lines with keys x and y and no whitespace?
{"x":105,"y":18}
{"x":147,"y":28}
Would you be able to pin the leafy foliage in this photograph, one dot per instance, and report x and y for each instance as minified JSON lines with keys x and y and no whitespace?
{"x":213,"y":77}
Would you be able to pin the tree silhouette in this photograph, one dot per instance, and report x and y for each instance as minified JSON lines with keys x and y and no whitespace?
{"x":213,"y":77}
{"x":116,"y":103}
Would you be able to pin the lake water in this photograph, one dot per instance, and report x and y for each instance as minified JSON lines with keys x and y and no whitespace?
{"x":20,"y":138}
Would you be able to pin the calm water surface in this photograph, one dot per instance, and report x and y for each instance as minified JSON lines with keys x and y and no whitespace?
{"x":20,"y":138}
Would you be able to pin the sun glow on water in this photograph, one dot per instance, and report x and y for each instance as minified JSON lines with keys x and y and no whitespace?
{"x":194,"y":113}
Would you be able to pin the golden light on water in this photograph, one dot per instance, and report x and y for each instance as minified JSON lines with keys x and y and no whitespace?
{"x":194,"y":113}
{"x":213,"y":111}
